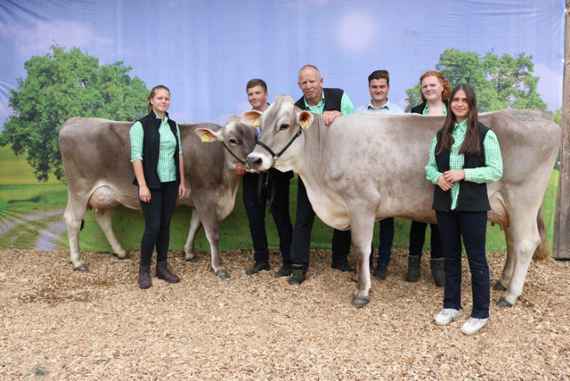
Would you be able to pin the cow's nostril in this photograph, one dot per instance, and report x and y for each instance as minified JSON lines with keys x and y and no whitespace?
{"x":254,"y":161}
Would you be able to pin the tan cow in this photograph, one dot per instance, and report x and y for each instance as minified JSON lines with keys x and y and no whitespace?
{"x":96,"y":161}
{"x":369,"y":166}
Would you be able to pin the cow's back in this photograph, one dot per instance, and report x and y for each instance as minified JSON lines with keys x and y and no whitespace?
{"x":388,"y":153}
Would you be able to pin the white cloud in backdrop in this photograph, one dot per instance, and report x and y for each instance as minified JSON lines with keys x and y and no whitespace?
{"x":38,"y":38}
{"x":356,"y":32}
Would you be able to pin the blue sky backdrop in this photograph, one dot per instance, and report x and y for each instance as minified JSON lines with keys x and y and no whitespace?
{"x":206,"y":50}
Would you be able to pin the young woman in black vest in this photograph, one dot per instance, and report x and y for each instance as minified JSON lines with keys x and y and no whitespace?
{"x":156,"y":155}
{"x":464,"y":157}
{"x":434,"y":92}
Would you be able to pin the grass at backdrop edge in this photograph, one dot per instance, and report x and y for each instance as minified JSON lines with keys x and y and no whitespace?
{"x":20,"y":193}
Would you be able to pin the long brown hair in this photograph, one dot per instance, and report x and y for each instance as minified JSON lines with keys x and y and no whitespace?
{"x":153,"y":93}
{"x":471,"y":143}
{"x":444,"y":83}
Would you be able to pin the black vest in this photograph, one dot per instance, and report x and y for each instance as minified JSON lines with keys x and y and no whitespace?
{"x":151,"y":149}
{"x":419,"y":109}
{"x":472,"y":196}
{"x":333,"y":98}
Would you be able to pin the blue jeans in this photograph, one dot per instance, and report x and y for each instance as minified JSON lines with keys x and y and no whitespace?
{"x":471,"y":227}
{"x":386,"y":230}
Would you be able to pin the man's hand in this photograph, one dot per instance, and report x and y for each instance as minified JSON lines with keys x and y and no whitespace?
{"x":443,"y":183}
{"x":454,"y":175}
{"x":330,"y":116}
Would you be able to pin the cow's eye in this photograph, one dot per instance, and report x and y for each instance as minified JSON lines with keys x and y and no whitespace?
{"x":233,"y":141}
{"x":284,"y":126}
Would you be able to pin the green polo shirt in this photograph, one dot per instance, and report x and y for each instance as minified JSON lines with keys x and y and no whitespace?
{"x":492,"y":171}
{"x":166,"y":167}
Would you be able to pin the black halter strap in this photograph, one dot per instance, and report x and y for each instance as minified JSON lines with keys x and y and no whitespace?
{"x":233,"y":154}
{"x":278,"y":155}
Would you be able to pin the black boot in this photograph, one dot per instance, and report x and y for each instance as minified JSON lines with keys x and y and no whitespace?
{"x":257,"y":267}
{"x":145,"y":280}
{"x":413,"y":274}
{"x":162,"y":272}
{"x":438,"y":271}
{"x":284,"y":270}
{"x":381,"y":272}
{"x":297,"y":274}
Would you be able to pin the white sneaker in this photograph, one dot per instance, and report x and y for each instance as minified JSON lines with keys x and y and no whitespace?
{"x":446,"y":316}
{"x":473,"y":325}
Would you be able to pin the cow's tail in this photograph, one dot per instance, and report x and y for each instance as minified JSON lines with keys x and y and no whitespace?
{"x":542,"y":251}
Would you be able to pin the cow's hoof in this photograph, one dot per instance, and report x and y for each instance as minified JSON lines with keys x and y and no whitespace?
{"x":82,"y":268}
{"x":190,"y":258}
{"x":499,"y":286}
{"x":223,"y":274}
{"x":503,"y":303}
{"x":359,"y":301}
{"x":120,"y":255}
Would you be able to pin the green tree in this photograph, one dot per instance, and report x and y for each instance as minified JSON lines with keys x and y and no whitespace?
{"x":60,"y":85}
{"x":500,"y":81}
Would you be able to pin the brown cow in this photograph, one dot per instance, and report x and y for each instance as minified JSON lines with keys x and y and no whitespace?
{"x":96,"y":161}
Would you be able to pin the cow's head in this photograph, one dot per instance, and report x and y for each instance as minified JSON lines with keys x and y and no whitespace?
{"x":237,"y":136}
{"x":281,"y":124}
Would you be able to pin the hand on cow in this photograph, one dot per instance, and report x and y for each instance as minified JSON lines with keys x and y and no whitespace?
{"x":330,"y":116}
{"x":182,"y":191}
{"x":144,"y":194}
{"x":443,"y":183}
{"x":239,"y":169}
{"x":454,"y":175}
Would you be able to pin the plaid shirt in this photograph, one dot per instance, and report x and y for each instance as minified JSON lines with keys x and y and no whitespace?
{"x":492,"y":171}
{"x":166,"y":167}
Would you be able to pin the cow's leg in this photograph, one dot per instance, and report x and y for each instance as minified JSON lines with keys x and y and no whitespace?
{"x":103,"y":218}
{"x":525,"y":239}
{"x":73,"y":216}
{"x":507,"y":275}
{"x":212,"y":229}
{"x":189,"y":245}
{"x":362,"y":232}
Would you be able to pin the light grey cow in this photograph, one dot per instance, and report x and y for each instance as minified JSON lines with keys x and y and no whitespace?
{"x":96,"y":161}
{"x":369,"y":166}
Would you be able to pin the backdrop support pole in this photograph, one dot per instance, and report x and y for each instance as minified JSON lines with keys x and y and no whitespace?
{"x":562,"y":224}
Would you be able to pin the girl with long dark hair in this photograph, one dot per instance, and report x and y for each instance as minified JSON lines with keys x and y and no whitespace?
{"x":464,"y":156}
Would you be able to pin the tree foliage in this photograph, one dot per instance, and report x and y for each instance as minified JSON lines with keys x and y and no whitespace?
{"x":500,"y":82}
{"x":60,"y":85}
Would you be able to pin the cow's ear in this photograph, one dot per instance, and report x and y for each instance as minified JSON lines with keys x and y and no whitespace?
{"x":252,"y":118}
{"x":208,"y":136}
{"x":305,"y":119}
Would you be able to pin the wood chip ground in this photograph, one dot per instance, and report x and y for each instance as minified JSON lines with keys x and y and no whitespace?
{"x":63,"y":325}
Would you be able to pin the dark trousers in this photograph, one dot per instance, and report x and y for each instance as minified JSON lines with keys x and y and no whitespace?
{"x":418,"y":236}
{"x":472,"y":227}
{"x":255,"y":198}
{"x":302,"y":233}
{"x":157,"y":215}
{"x":386,"y":232}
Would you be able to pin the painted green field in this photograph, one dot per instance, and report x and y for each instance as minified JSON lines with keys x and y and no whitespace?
{"x":21,"y":196}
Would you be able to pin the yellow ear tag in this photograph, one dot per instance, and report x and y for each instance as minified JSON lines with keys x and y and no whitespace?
{"x":205,"y":135}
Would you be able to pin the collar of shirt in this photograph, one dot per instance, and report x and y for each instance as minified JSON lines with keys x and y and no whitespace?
{"x":443,"y":110}
{"x":318,"y":107}
{"x":386,"y":107}
{"x":460,"y":127}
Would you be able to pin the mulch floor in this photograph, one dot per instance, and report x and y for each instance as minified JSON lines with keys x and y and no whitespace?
{"x":63,"y":325}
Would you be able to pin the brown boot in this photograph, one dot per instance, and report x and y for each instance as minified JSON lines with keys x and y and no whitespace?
{"x":162,"y":272}
{"x":145,"y":281}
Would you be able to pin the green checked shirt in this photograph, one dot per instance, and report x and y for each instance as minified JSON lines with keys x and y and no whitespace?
{"x":492,"y":171}
{"x":166,"y":167}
